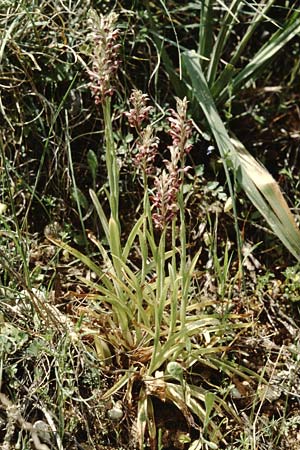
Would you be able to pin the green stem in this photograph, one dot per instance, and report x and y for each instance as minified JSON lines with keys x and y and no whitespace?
{"x":159,"y":299}
{"x":147,"y":219}
{"x":183,"y":265}
{"x":174,"y":283}
{"x":147,"y":206}
{"x":111,"y":162}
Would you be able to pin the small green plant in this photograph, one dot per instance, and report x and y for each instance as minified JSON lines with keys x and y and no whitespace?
{"x":291,"y":284}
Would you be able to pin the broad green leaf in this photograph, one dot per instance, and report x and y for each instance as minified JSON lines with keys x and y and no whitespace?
{"x":265,"y":194}
{"x":223,"y":80}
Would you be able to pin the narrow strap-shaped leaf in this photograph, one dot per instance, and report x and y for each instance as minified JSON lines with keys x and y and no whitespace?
{"x":132,"y":235}
{"x":220,"y":43}
{"x":206,"y":32}
{"x":260,"y":14}
{"x":268,"y":51}
{"x":265,"y":194}
{"x":223,"y":80}
{"x":84,"y":259}
{"x":100,"y":212}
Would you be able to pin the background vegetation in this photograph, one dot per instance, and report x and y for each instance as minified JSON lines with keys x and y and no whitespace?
{"x":149,"y":225}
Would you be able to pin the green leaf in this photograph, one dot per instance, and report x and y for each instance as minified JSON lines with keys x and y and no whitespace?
{"x":100,"y":212}
{"x":206,"y":31}
{"x":132,"y":235}
{"x":83,"y":258}
{"x":80,"y":198}
{"x":223,"y":80}
{"x":209,"y":403}
{"x":93,"y":163}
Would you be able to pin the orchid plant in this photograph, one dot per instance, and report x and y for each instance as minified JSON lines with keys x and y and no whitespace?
{"x":147,"y":310}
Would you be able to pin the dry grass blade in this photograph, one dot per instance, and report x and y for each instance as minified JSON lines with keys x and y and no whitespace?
{"x":266,"y":195}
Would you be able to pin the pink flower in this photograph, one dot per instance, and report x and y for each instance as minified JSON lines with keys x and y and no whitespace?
{"x":167,"y":184}
{"x":180,"y":127}
{"x":139,"y":111}
{"x":105,"y":60}
{"x":166,"y":188}
{"x":146,"y":150}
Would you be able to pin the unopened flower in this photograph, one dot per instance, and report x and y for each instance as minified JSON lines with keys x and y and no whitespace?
{"x":139,"y":111}
{"x":105,"y":57}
